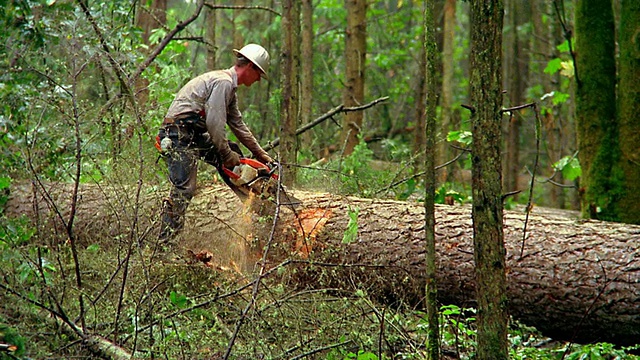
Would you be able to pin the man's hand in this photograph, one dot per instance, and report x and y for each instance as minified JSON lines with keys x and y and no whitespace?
{"x":231,"y":160}
{"x":264,"y":158}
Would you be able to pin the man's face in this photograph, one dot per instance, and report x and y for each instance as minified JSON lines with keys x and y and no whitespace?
{"x":254,"y":75}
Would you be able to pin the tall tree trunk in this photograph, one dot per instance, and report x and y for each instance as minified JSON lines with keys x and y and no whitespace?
{"x":489,"y":250}
{"x":210,"y":36}
{"x":629,"y":107}
{"x":446,"y":98}
{"x":515,"y":82}
{"x":148,"y":19}
{"x":430,"y":156}
{"x":601,"y":182}
{"x":290,"y":59}
{"x":238,"y":21}
{"x":355,"y":56}
{"x":419,"y":138}
{"x":541,"y":53}
{"x":306,"y":80}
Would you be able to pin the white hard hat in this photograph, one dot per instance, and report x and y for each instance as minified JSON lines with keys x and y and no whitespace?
{"x":257,"y":55}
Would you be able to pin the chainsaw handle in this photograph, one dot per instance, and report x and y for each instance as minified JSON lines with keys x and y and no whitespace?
{"x":264,"y":171}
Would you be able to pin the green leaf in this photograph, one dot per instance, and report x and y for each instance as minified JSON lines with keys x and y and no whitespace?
{"x":559,"y":98}
{"x":5,"y":182}
{"x":569,"y":166}
{"x":93,"y":248}
{"x":411,"y":188}
{"x":351,"y":233}
{"x":553,"y":66}
{"x":178,"y":300}
{"x":464,"y":137}
{"x":564,"y":47}
{"x":366,"y":355}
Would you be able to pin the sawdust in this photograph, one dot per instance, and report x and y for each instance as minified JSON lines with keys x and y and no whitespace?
{"x":232,"y":245}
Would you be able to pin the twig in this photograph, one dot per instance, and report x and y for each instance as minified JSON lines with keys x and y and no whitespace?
{"x":417,"y":175}
{"x":533,"y":175}
{"x":566,"y":32}
{"x":317,"y":350}
{"x":328,"y":115}
{"x":96,"y":344}
{"x":591,"y":306}
{"x":519,"y":107}
{"x":241,"y":7}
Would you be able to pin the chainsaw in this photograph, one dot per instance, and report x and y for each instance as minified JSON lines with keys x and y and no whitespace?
{"x":254,"y":177}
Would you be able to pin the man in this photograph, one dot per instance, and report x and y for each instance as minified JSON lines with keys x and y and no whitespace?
{"x":194,"y":128}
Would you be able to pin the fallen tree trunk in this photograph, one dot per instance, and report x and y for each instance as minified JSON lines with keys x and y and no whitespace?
{"x":576,"y":280}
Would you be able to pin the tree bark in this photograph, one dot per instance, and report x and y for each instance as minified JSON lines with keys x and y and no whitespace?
{"x":290,"y":87}
{"x":577,"y":280}
{"x":430,"y":155}
{"x":355,"y":56}
{"x":601,"y":183}
{"x":629,"y":107}
{"x":486,"y":179}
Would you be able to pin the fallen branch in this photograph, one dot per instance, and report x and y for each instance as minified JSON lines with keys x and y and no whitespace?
{"x":96,"y":344}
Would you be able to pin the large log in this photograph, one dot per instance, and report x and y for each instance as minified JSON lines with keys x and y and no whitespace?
{"x":576,"y":280}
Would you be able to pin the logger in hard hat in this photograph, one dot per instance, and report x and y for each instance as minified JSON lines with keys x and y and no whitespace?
{"x":194,"y":128}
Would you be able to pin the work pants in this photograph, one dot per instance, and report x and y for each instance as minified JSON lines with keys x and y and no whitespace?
{"x":188,"y":144}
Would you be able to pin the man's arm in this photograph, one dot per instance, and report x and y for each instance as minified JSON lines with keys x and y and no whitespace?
{"x":216,"y":117}
{"x":242,"y":132}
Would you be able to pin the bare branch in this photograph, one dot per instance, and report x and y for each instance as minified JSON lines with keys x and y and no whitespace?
{"x":241,"y":7}
{"x":338,"y":109}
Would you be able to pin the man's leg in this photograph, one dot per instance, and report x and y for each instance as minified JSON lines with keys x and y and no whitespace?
{"x":182,"y":165}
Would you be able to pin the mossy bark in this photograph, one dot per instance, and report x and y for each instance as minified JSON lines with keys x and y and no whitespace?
{"x":488,"y":236}
{"x":629,"y":110}
{"x":602,"y":180}
{"x":430,"y":156}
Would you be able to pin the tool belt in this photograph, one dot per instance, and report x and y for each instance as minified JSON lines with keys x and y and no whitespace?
{"x":195,"y":121}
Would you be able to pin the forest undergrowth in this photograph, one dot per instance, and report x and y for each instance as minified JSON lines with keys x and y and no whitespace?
{"x":141,"y":297}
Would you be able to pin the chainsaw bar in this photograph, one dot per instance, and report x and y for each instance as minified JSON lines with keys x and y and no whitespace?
{"x":254,"y":177}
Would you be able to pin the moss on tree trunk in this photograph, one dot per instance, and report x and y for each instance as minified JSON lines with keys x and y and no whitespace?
{"x":602,"y":179}
{"x":629,"y":110}
{"x":488,"y":237}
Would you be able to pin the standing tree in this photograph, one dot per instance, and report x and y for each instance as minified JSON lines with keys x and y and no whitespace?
{"x":306,"y":78}
{"x":419,"y":135}
{"x":290,"y":94}
{"x":431,"y":53}
{"x":210,"y":38}
{"x":448,"y":45}
{"x":355,"y":53}
{"x":489,"y":251}
{"x":601,"y":183}
{"x":515,"y":71}
{"x":629,"y":107}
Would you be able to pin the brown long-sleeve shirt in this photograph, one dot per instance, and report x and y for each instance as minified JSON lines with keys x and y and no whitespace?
{"x":214,"y":94}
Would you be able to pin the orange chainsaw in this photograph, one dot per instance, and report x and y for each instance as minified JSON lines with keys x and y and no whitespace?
{"x":254,"y":177}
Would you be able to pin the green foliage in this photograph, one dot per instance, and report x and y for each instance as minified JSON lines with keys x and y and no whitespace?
{"x":351,"y":233}
{"x":178,"y":300}
{"x":341,"y":354}
{"x":5,"y":183}
{"x":11,"y":336}
{"x":463,"y":137}
{"x":446,"y":193}
{"x":569,"y":166}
